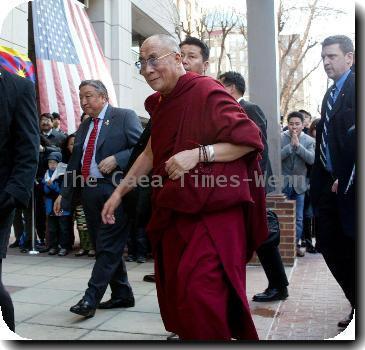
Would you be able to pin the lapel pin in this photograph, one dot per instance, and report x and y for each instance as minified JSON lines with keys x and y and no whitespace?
{"x":106,"y":123}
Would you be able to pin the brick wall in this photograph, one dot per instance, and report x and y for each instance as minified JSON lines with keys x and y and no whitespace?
{"x":285,"y":210}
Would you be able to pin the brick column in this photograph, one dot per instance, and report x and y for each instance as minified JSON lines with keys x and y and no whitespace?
{"x":285,"y":210}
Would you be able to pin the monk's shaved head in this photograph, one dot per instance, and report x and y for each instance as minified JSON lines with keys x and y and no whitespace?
{"x":160,"y":62}
{"x":166,"y":41}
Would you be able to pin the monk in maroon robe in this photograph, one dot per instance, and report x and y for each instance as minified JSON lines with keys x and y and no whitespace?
{"x":208,"y":217}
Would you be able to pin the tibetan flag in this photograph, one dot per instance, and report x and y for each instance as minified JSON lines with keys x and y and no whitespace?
{"x":67,"y":51}
{"x":16,"y":63}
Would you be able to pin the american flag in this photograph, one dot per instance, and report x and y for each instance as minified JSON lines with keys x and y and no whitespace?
{"x":67,"y":51}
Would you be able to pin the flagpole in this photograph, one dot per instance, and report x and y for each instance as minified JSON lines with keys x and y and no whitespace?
{"x":32,"y":57}
{"x":33,"y":251}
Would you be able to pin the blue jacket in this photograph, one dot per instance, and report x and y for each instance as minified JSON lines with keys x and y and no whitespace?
{"x":51,"y":193}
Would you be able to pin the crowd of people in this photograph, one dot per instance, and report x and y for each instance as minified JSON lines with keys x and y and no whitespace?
{"x":200,"y":237}
{"x":54,"y":233}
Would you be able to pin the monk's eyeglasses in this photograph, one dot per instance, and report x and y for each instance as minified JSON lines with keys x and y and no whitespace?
{"x":153,"y":61}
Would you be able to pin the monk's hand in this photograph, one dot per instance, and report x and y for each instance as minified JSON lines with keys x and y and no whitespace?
{"x":107,"y":214}
{"x":182,"y":162}
{"x":335,"y":186}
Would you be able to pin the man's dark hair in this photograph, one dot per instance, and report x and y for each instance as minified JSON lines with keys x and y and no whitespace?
{"x":47,"y":115}
{"x":234,"y":78}
{"x":190,"y":40}
{"x":56,"y":115}
{"x":295,"y":115}
{"x":344,"y":41}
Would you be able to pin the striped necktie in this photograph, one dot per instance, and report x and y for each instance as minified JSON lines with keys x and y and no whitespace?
{"x":324,"y":140}
{"x":89,"y":151}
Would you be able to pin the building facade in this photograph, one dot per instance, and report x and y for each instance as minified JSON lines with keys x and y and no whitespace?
{"x":121,"y":26}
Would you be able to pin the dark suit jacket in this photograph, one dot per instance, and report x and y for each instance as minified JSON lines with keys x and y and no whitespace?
{"x":137,"y":203}
{"x":19,"y":136}
{"x":56,"y":138}
{"x":119,"y":133}
{"x":255,"y":113}
{"x":347,"y":200}
{"x":342,"y":118}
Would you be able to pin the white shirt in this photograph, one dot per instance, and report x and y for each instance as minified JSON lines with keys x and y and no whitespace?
{"x":47,"y":133}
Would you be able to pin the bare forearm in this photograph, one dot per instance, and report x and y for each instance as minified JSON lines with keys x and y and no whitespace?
{"x":186,"y":160}
{"x":227,"y":152}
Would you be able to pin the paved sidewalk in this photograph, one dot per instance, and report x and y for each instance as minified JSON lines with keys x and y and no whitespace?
{"x":315,"y":305}
{"x":43,"y":288}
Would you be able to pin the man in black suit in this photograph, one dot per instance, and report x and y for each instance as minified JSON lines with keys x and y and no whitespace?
{"x":268,"y":253}
{"x":337,"y":117}
{"x":102,"y":148}
{"x":19,"y":147}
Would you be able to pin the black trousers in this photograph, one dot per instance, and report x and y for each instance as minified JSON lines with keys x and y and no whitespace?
{"x":137,"y":241}
{"x":59,"y":231}
{"x":6,"y":304}
{"x":109,"y":242}
{"x":40,"y":212}
{"x":272,"y":264}
{"x":338,"y":250}
{"x":21,"y":226}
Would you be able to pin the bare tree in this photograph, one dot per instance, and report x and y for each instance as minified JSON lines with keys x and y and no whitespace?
{"x":211,"y":20}
{"x":201,"y":25}
{"x":226,"y":21}
{"x":183,"y":23}
{"x":294,"y":48}
{"x":242,"y":25}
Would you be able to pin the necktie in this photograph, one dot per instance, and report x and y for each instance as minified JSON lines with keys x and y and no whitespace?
{"x":324,"y":140}
{"x":89,"y":151}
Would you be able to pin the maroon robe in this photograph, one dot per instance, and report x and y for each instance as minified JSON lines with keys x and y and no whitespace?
{"x":202,"y":237}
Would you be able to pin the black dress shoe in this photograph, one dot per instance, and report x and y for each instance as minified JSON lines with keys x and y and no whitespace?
{"x":26,"y":247}
{"x":150,"y":278}
{"x":81,"y":252}
{"x":346,"y":321}
{"x":43,"y":250}
{"x":311,"y":250}
{"x":271,"y":294}
{"x":83,"y":308}
{"x":114,"y":303}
